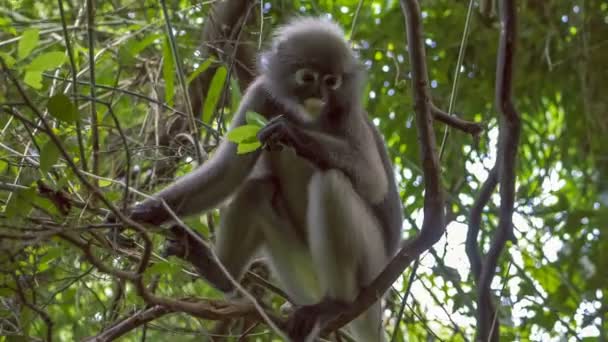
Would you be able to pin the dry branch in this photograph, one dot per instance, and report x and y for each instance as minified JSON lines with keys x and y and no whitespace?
{"x":508,"y":139}
{"x":129,"y":323}
{"x":472,"y":244}
{"x":472,"y":128}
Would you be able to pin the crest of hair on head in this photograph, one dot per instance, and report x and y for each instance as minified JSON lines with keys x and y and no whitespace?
{"x":298,"y":25}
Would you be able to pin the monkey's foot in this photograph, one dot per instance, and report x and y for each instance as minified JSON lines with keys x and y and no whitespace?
{"x":307,"y":321}
{"x":185,"y":246}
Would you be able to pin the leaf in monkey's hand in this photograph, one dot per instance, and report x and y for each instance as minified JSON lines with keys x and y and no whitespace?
{"x":254,"y":118}
{"x":248,"y":147}
{"x":246,"y":138}
{"x":242,"y":133}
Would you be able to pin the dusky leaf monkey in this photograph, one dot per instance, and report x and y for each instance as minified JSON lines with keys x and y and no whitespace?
{"x":325,"y":208}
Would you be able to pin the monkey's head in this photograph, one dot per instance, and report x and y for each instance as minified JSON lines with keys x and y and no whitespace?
{"x":309,"y":60}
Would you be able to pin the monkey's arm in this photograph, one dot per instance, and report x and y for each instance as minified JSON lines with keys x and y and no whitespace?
{"x":318,"y":147}
{"x":319,"y":142}
{"x":212,"y":182}
{"x":360,"y":162}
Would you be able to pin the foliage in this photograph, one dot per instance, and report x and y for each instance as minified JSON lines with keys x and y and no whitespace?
{"x":551,"y":282}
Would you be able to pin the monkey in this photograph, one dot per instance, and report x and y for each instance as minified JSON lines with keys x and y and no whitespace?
{"x":324,"y":208}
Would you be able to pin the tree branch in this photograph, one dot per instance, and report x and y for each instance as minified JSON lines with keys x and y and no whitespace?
{"x":46,"y":318}
{"x":472,"y":128}
{"x":433,"y":225}
{"x":472,"y":244}
{"x":94,"y":120}
{"x":510,"y":127}
{"x":132,"y":322}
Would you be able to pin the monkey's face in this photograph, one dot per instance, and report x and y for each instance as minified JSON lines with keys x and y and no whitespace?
{"x":312,"y":87}
{"x":305,"y":68}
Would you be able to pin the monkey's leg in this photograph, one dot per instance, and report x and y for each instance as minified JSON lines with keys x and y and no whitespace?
{"x":288,"y":252}
{"x":256,"y":218}
{"x":239,"y":235}
{"x":346,"y":245}
{"x":238,"y":238}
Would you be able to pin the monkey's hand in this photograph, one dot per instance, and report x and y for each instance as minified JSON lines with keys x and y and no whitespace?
{"x":187,"y":247}
{"x":278,"y":131}
{"x":309,"y":319}
{"x":307,"y":143}
{"x":150,"y":212}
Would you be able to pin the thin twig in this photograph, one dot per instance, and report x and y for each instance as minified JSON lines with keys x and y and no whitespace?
{"x":43,"y":314}
{"x":353,"y":26}
{"x":79,"y":174}
{"x":140,"y":96}
{"x":94,"y":121}
{"x":463,"y":43}
{"x":123,"y":137}
{"x":73,"y":72}
{"x":404,"y":299}
{"x":130,"y":323}
{"x":182,"y":81}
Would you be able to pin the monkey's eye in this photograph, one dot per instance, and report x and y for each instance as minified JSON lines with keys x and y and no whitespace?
{"x":332,"y":81}
{"x":305,"y":76}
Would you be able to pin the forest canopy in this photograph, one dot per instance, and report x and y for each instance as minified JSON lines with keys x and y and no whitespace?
{"x":103,"y":103}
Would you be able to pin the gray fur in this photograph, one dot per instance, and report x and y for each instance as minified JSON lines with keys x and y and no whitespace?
{"x":327,"y":213}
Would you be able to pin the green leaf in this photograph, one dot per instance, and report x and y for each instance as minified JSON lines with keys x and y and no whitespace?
{"x":242,"y":133}
{"x":254,"y":118}
{"x":213,"y":95}
{"x":50,"y":255}
{"x":246,"y":148}
{"x":6,"y":292}
{"x":164,"y":268}
{"x":8,"y":59}
{"x":125,"y":56}
{"x":62,"y":108}
{"x":28,"y":41}
{"x":144,"y":43}
{"x":47,"y":61}
{"x":7,"y":25}
{"x":199,"y":70}
{"x":12,"y":207}
{"x":235,"y":95}
{"x":168,"y":75}
{"x":104,"y":183}
{"x":132,"y":48}
{"x":33,"y":79}
{"x":48,"y":156}
{"x":20,"y":203}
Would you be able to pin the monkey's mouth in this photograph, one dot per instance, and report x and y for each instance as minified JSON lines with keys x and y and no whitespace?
{"x":313,"y":106}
